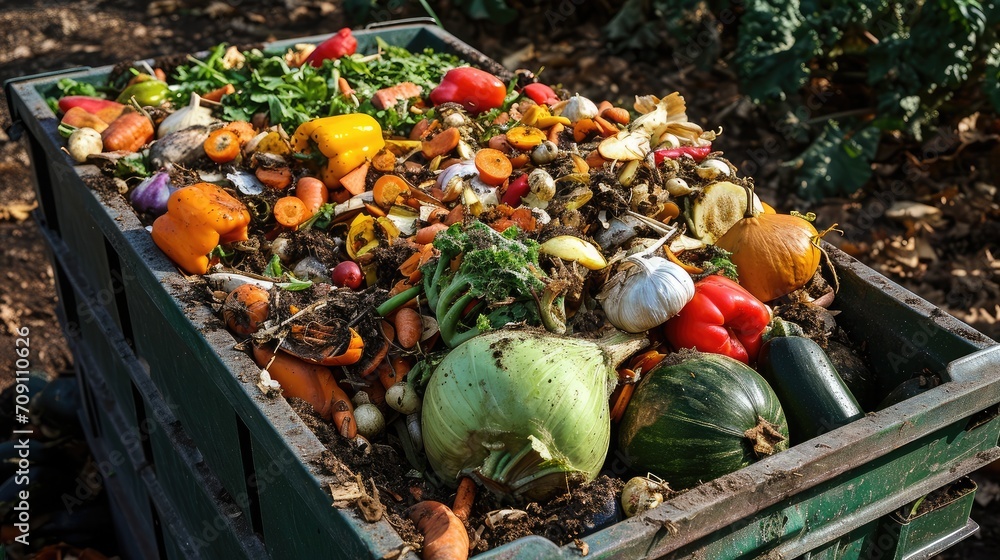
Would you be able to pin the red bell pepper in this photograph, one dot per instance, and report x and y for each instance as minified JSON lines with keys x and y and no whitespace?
{"x":341,"y":44}
{"x":474,"y":89}
{"x":698,"y":153}
{"x":107,"y":109}
{"x":541,"y":94}
{"x":722,"y":318}
{"x":516,"y":190}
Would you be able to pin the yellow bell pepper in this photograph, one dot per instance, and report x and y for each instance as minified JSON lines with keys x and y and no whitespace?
{"x":339,"y":144}
{"x":198,"y":219}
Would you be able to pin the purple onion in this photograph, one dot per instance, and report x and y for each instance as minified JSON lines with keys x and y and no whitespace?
{"x":152,"y":194}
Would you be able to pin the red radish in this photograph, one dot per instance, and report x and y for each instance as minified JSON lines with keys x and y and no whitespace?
{"x":347,"y":274}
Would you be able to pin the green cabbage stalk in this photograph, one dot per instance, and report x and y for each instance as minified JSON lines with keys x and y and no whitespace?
{"x":524,"y":411}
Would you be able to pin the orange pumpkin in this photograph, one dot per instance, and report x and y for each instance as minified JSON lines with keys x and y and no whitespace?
{"x":774,"y":254}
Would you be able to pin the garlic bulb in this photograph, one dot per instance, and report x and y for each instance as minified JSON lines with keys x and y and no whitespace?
{"x":542,"y":188}
{"x":645,"y":294}
{"x":576,"y":108}
{"x":191,"y":115}
{"x":544,"y":153}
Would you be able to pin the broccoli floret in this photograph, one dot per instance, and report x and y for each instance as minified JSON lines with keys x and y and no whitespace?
{"x":497,"y":270}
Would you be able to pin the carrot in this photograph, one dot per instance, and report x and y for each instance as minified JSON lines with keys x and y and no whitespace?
{"x":217,"y":94}
{"x":312,"y":192}
{"x":354,"y":182}
{"x":388,"y":188}
{"x":444,"y":142}
{"x":604,"y":106}
{"x":374,"y":210}
{"x":245,"y":309}
{"x":444,"y":534}
{"x":428,"y":233}
{"x":464,"y":497}
{"x":278,"y":178}
{"x":384,"y":161}
{"x":494,"y":167}
{"x":689,"y":268}
{"x":619,"y":400}
{"x":311,"y":383}
{"x":604,"y":127}
{"x":399,"y":366}
{"x":554,"y":132}
{"x":456,"y":215}
{"x":524,"y":219}
{"x":400,"y":287}
{"x":129,"y":132}
{"x":222,"y":145}
{"x":616,"y":115}
{"x":411,"y":264}
{"x":409,"y":327}
{"x":647,"y":360}
{"x":377,"y":359}
{"x":388,"y":331}
{"x":520,"y":160}
{"x":344,"y":87}
{"x":289,"y":211}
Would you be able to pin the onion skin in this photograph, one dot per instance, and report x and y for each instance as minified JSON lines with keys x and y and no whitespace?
{"x":775,"y":254}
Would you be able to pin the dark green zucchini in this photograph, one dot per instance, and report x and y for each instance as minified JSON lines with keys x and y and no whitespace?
{"x":812,"y":394}
{"x":698,"y":416}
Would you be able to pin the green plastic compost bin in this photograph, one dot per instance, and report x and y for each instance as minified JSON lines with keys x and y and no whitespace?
{"x":199,"y":464}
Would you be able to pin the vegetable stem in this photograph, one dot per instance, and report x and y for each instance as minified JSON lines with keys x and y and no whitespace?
{"x":393,"y":303}
{"x":619,"y":346}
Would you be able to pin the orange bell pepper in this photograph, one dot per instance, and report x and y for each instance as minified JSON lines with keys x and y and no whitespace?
{"x":198,"y":219}
{"x":355,"y":349}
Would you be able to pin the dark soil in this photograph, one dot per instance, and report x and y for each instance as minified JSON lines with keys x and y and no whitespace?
{"x":572,"y":515}
{"x":947,"y":257}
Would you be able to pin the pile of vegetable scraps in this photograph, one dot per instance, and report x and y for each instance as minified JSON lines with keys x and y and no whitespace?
{"x":476,"y":292}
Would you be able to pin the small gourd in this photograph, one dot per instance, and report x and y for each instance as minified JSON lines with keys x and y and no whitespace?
{"x":775,"y":254}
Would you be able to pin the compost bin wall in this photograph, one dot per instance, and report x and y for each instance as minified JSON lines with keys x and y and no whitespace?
{"x":209,"y":467}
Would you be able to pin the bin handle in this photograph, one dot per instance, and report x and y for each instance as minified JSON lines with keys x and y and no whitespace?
{"x":404,"y":21}
{"x":972,"y":366}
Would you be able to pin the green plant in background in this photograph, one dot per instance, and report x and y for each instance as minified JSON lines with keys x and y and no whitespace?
{"x":902,"y":63}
